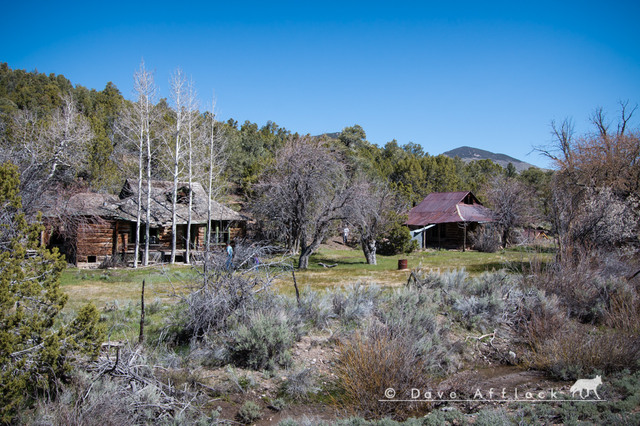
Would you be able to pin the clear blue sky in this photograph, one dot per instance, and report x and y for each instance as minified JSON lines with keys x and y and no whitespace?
{"x":492,"y":75}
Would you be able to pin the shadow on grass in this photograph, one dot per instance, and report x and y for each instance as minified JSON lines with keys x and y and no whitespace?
{"x":315,"y":261}
{"x":534,"y":249}
{"x":518,"y":267}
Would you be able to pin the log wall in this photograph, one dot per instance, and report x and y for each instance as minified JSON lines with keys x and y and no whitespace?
{"x":95,"y":241}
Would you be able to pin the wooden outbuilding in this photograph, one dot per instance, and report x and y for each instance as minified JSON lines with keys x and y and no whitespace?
{"x":89,"y":228}
{"x":444,"y":219}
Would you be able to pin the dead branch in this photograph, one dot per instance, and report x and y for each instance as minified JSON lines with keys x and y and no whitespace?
{"x":484,"y":336}
{"x":134,"y":376}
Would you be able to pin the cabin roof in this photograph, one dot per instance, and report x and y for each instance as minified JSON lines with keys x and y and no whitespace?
{"x":160,"y":212}
{"x":80,"y":204}
{"x":125,"y":206}
{"x":447,"y":207}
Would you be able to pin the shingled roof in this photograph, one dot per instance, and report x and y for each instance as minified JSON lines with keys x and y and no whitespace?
{"x":125,"y":206}
{"x":161,"y":192}
{"x":447,"y":207}
{"x":80,"y":204}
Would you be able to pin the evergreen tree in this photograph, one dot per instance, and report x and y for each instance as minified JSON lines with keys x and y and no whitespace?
{"x":35,"y":352}
{"x":102,"y":170}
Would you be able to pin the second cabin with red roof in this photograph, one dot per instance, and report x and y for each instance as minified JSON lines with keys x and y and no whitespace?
{"x":444,"y":219}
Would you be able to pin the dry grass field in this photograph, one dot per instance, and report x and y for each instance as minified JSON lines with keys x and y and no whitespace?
{"x":104,"y":287}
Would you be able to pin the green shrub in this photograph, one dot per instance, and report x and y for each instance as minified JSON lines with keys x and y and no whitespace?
{"x":314,"y":308}
{"x":477,"y":302}
{"x":398,"y":241}
{"x":37,"y":350}
{"x":300,"y":384}
{"x":407,"y":312}
{"x":422,"y":279}
{"x":450,"y":417}
{"x":478,"y":312}
{"x":306,"y":421}
{"x":250,"y":412}
{"x":357,"y":302}
{"x":262,"y":343}
{"x":492,"y":417}
{"x":621,"y":396}
{"x":411,"y":316}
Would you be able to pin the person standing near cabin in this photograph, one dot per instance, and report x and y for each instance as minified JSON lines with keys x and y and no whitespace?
{"x":345,"y":235}
{"x":229,"y":263}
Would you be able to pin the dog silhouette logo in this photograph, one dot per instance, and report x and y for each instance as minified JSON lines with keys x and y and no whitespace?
{"x":586,"y":384}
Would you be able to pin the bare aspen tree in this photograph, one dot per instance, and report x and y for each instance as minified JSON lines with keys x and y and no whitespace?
{"x":135,"y":126}
{"x":212,"y":126}
{"x":26,"y":151}
{"x":178,"y":85}
{"x":141,"y":148}
{"x":191,"y":128}
{"x":510,"y":201}
{"x":147,"y":93}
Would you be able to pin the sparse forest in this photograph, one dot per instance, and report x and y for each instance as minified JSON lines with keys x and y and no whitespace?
{"x":230,"y":341}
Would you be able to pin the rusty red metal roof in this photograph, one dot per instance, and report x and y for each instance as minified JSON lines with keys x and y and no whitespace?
{"x":446,"y":207}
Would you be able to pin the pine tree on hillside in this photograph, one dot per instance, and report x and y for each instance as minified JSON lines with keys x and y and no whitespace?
{"x":36,"y":353}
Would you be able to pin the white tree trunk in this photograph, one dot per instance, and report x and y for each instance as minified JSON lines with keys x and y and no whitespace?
{"x":174,"y":206}
{"x":147,"y":225}
{"x":135,"y":126}
{"x":210,"y":182}
{"x":188,"y":237}
{"x":191,"y":117}
{"x":136,"y":250}
{"x":178,"y":95}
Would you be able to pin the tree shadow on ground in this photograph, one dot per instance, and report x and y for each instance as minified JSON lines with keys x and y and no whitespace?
{"x":512,"y":266}
{"x":315,"y":261}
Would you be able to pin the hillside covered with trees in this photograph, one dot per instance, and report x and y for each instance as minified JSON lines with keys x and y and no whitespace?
{"x":97,"y":154}
{"x":572,"y":313}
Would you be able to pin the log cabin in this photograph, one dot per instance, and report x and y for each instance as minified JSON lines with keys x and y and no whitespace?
{"x":444,"y":219}
{"x":90,"y":228}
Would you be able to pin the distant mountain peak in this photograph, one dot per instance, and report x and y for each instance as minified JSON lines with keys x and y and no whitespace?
{"x":468,"y":153}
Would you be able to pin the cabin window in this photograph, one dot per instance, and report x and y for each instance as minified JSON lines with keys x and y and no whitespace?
{"x":220,"y":233}
{"x":153,"y":235}
{"x":92,"y":259}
